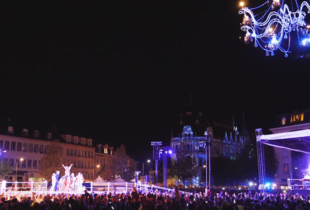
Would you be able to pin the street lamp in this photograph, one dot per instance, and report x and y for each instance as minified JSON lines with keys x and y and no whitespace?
{"x":148,"y":161}
{"x":97,"y":166}
{"x":21,"y":160}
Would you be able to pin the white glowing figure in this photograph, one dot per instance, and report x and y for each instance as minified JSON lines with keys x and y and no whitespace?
{"x":272,"y":29}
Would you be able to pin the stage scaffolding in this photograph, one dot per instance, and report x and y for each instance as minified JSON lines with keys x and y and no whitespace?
{"x":298,"y":141}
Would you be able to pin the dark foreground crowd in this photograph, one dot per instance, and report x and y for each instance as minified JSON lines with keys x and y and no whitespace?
{"x":155,"y":201}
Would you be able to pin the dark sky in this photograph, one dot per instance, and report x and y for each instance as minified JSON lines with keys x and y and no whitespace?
{"x":120,"y":71}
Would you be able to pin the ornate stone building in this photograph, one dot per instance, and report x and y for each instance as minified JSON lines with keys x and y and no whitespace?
{"x":188,"y":136}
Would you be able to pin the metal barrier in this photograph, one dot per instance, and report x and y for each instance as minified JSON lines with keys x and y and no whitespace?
{"x":23,"y":186}
{"x":297,"y":184}
{"x":42,"y":187}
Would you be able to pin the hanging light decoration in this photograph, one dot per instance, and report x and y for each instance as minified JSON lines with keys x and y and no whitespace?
{"x":273,"y":25}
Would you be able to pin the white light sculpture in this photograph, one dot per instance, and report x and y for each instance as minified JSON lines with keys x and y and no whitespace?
{"x":271,"y":28}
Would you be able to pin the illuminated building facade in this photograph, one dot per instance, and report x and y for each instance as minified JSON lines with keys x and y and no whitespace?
{"x":188,"y":137}
{"x":25,"y":147}
{"x":291,"y":164}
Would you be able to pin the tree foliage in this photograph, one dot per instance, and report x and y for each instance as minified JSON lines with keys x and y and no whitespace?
{"x":120,"y":165}
{"x":52,"y":161}
{"x":184,"y":168}
{"x":5,"y":169}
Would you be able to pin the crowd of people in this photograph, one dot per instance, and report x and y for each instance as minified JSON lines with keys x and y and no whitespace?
{"x":154,"y":200}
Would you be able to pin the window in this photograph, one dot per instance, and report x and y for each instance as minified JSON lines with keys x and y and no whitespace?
{"x":75,"y":165}
{"x":29,"y":163}
{"x":297,"y":117}
{"x":75,"y":152}
{"x":85,"y":153}
{"x":49,"y":135}
{"x":25,"y":132}
{"x":34,"y":164}
{"x":1,"y":144}
{"x":68,"y":152}
{"x":30,"y":147}
{"x":13,"y":144}
{"x":88,"y":164}
{"x":189,"y":113}
{"x":283,"y":120}
{"x":36,"y":134}
{"x":69,"y":138}
{"x":82,"y":153}
{"x":19,"y":146}
{"x":10,"y":129}
{"x":79,"y":154}
{"x":36,"y":148}
{"x":41,"y":148}
{"x":76,"y":139}
{"x":11,"y":162}
{"x":83,"y":141}
{"x":285,"y":167}
{"x":25,"y":147}
{"x":89,"y":154}
{"x":89,"y":142}
{"x":17,"y":163}
{"x":24,"y":164}
{"x":7,"y":145}
{"x":105,"y":150}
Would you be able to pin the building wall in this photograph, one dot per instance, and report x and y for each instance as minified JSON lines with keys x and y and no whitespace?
{"x":80,"y":153}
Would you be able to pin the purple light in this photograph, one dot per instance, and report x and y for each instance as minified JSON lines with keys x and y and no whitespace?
{"x":170,"y":152}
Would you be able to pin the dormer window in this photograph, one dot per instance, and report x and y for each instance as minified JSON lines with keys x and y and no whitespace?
{"x":83,"y":141}
{"x":197,"y":122}
{"x":189,"y":113}
{"x":105,"y":150}
{"x":89,"y":142}
{"x":297,"y":117}
{"x":283,"y":122}
{"x":36,"y":134}
{"x":25,"y":132}
{"x":111,"y":152}
{"x":49,"y":135}
{"x":69,"y":138}
{"x":10,"y":129}
{"x":76,"y":139}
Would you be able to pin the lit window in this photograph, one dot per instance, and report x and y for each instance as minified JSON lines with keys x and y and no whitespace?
{"x":297,"y":117}
{"x":285,"y":167}
{"x":283,"y":120}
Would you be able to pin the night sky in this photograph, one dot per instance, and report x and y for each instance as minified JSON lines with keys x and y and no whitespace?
{"x":120,"y":71}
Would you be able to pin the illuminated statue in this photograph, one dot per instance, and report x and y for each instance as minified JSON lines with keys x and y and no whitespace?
{"x":67,"y":169}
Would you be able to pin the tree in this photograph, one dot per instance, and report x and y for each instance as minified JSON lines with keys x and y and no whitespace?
{"x":5,"y":169}
{"x":184,"y":168}
{"x":121,"y":165}
{"x":52,"y":161}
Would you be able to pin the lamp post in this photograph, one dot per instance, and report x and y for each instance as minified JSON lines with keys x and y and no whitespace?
{"x":208,"y":160}
{"x":21,"y":160}
{"x":97,"y":166}
{"x":148,"y":161}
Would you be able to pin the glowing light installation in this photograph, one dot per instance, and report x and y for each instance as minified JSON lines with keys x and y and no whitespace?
{"x":271,"y":28}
